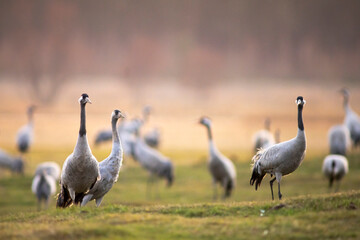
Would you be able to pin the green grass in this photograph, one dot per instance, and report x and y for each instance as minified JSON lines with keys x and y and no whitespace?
{"x":186,"y":210}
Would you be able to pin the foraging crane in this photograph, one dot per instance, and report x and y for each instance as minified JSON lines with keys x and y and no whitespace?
{"x":109,"y":168}
{"x":263,"y":138}
{"x":339,"y":139}
{"x":152,"y":160}
{"x":14,"y":164}
{"x":280,"y":159}
{"x":103,"y":136}
{"x":51,"y":168}
{"x":44,"y":182}
{"x":127,"y":130}
{"x":221,"y":168}
{"x":152,"y":138}
{"x":335,"y":167}
{"x":25,"y":134}
{"x":352,"y":120}
{"x":80,"y":171}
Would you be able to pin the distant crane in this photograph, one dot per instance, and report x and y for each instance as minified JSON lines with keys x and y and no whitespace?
{"x":335,"y":167}
{"x":221,"y":168}
{"x":44,"y":182}
{"x":339,"y":139}
{"x":263,"y":138}
{"x":352,"y":120}
{"x":151,"y":138}
{"x":152,"y":160}
{"x":25,"y":133}
{"x":14,"y":164}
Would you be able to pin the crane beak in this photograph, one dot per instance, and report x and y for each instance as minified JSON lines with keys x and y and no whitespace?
{"x":121,"y":115}
{"x":88,"y":100}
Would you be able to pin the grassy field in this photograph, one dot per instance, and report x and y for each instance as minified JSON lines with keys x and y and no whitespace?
{"x":186,"y":210}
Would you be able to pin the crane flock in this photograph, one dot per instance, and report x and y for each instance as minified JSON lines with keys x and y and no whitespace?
{"x":84,"y":179}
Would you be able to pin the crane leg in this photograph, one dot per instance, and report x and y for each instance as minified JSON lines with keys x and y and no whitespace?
{"x":157,"y":191}
{"x":215,"y":190}
{"x":331,"y":180}
{"x":271,"y":187}
{"x":337,"y":186}
{"x":98,"y":201}
{"x":149,"y":186}
{"x":39,"y":205}
{"x":86,"y":199}
{"x":47,"y":200}
{"x":280,"y":195}
{"x":72,"y":194}
{"x":278,"y":179}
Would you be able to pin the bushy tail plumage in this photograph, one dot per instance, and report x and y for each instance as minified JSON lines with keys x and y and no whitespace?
{"x":78,"y":198}
{"x":64,"y":200}
{"x":256,"y":177}
{"x":23,"y":147}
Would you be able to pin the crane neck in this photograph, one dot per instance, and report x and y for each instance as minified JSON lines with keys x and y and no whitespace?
{"x":300,"y":119}
{"x":30,"y":118}
{"x":82,"y":130}
{"x":145,"y":117}
{"x":115,"y":134}
{"x":209,"y":133}
{"x":212,"y":147}
{"x":346,"y":104}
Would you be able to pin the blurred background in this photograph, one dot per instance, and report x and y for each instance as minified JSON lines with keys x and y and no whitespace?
{"x":235,"y":61}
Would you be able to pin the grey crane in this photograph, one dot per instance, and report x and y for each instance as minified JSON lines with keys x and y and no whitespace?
{"x":44,"y":182}
{"x":25,"y":134}
{"x":335,"y":167}
{"x":151,"y":159}
{"x":109,"y":168}
{"x":80,"y":170}
{"x":14,"y":164}
{"x":106,"y":134}
{"x":103,"y":136}
{"x":280,"y":159}
{"x":263,"y":138}
{"x":152,"y":138}
{"x":221,"y":168}
{"x":352,"y":120}
{"x":339,"y":139}
{"x":51,"y":168}
{"x":127,"y":130}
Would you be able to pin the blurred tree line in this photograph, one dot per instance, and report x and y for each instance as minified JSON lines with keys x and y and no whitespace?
{"x":190,"y":41}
